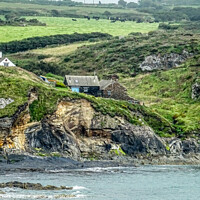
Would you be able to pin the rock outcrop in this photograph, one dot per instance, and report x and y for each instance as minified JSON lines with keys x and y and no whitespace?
{"x":138,"y":140}
{"x":5,"y":102}
{"x":32,"y":186}
{"x":196,"y":91}
{"x":157,"y":62}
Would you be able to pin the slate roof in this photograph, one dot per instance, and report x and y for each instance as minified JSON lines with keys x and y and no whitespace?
{"x":105,"y":83}
{"x":82,"y":80}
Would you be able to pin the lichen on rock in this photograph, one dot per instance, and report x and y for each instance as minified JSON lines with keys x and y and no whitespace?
{"x":4,"y":102}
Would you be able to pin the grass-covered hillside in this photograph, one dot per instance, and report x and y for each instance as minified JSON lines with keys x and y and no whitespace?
{"x":169,"y":93}
{"x":17,"y":83}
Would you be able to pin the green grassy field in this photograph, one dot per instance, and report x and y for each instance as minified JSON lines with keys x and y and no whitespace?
{"x":58,"y":25}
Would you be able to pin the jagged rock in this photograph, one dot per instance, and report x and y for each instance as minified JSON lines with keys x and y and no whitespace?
{"x":156,"y":62}
{"x":136,"y":139}
{"x":52,"y":138}
{"x":196,"y":91}
{"x":1,"y":192}
{"x":186,"y":146}
{"x":32,"y":186}
{"x":5,"y":102}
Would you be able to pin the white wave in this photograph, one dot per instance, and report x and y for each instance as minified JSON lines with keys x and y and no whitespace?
{"x":23,"y":196}
{"x":79,"y":188}
{"x":103,"y":169}
{"x":80,"y":196}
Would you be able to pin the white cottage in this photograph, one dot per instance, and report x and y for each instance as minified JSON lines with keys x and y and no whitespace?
{"x":5,"y":61}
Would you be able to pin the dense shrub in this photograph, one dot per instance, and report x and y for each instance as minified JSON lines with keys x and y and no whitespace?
{"x":38,"y":42}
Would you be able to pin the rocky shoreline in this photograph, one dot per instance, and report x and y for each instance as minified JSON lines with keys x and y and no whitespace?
{"x":28,"y":163}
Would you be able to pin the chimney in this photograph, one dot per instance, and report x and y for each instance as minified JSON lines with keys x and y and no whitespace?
{"x":115,"y":77}
{"x":1,"y":55}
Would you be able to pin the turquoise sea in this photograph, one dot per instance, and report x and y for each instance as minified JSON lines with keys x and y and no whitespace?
{"x":120,"y":183}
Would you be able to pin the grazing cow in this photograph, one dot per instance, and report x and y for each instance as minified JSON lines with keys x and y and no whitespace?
{"x":95,"y":17}
{"x":74,"y":20}
{"x":122,"y":20}
{"x":113,"y":21}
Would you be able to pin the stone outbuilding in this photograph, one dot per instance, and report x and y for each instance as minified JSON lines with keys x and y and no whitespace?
{"x":113,"y":89}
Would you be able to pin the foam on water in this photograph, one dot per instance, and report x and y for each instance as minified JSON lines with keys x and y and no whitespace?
{"x":79,"y":188}
{"x":24,"y":196}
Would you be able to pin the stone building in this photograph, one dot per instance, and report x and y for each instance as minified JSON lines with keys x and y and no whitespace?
{"x":113,"y":89}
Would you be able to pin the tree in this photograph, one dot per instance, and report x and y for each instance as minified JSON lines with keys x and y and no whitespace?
{"x":10,"y":17}
{"x":122,"y":3}
{"x":54,"y":13}
{"x":107,"y":13}
{"x":132,"y":5}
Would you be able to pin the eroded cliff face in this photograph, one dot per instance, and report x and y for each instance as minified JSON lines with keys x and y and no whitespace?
{"x":75,"y":129}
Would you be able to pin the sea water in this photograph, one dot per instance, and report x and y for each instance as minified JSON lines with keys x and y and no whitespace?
{"x":119,"y":183}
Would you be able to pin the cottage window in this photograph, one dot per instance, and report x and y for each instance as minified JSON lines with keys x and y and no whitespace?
{"x":109,"y":93}
{"x":6,"y":64}
{"x":85,"y":89}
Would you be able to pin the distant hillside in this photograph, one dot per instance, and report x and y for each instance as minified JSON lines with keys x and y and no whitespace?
{"x":124,"y":55}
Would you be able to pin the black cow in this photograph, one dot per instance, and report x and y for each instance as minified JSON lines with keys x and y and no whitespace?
{"x":74,"y":20}
{"x":95,"y":17}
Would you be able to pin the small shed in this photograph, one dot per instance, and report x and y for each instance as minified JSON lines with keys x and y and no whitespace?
{"x":83,"y":84}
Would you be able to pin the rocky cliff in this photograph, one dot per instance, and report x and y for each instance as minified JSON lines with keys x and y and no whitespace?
{"x":76,"y":130}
